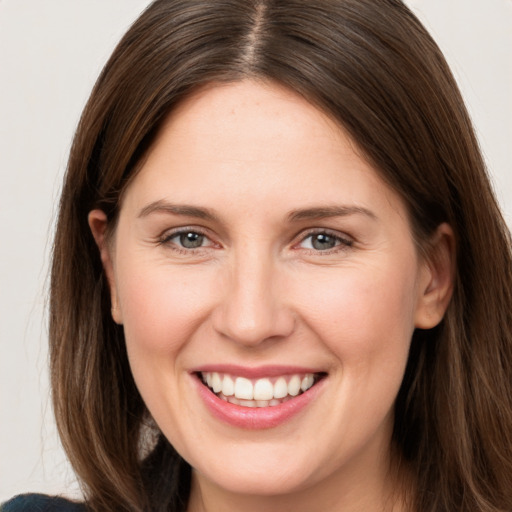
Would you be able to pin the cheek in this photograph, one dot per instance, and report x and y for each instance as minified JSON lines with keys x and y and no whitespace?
{"x":162,"y":309}
{"x":161,"y":306}
{"x":364,"y":316}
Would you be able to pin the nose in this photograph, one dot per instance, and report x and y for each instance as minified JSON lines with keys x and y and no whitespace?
{"x":253,"y":306}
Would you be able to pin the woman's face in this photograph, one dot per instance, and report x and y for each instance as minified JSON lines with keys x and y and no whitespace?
{"x":257,"y":252}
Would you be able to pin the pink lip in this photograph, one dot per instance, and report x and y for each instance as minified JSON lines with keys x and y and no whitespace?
{"x":256,"y":418}
{"x":256,"y":372}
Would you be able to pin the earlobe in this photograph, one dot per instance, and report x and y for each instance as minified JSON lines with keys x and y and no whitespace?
{"x":98,"y":224}
{"x":437,"y":278}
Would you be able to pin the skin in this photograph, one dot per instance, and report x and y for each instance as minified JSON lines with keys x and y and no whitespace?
{"x":258,"y":292}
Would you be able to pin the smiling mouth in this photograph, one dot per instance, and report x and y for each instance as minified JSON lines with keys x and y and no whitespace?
{"x":263,"y":392}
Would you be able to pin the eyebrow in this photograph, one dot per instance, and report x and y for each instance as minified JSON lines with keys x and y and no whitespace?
{"x":324,"y":212}
{"x":162,"y":206}
{"x":314,"y":213}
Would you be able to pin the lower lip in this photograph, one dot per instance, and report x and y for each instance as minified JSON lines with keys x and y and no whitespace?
{"x":256,"y":418}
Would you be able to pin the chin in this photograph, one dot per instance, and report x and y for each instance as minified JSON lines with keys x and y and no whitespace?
{"x":261,"y":481}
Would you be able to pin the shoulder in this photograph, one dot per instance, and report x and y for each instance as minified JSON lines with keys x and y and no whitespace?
{"x":40,"y":503}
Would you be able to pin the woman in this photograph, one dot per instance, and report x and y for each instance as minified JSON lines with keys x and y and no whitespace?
{"x":280,"y":277}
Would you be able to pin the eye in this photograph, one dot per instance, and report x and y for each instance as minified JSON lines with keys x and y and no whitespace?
{"x":324,"y":241}
{"x":191,"y":240}
{"x":187,"y":239}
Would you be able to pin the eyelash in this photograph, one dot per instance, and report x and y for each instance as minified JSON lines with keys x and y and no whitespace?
{"x":341,"y":243}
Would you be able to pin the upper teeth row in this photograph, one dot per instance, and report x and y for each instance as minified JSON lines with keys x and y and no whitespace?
{"x":260,"y":389}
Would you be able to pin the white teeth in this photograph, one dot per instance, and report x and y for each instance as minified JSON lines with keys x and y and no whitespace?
{"x":228,"y":386}
{"x":216,"y":382}
{"x":258,"y":392}
{"x":280,"y":388}
{"x":294,"y":386}
{"x":263,"y":390}
{"x":243,"y":388}
{"x":307,"y":382}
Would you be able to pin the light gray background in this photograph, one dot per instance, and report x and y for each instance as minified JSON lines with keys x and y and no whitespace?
{"x":50,"y":54}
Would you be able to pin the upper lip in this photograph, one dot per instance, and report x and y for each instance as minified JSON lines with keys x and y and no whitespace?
{"x":255,"y":372}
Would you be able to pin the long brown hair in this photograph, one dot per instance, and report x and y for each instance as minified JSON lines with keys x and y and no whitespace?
{"x":372,"y":67}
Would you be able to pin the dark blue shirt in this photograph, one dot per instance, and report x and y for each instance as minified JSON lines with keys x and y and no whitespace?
{"x":41,"y":503}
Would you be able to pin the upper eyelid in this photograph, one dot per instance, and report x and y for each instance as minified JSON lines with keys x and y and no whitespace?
{"x":170,"y":232}
{"x":331,"y":232}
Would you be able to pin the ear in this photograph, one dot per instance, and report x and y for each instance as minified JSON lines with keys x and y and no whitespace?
{"x":98,"y":225}
{"x":436,"y":278}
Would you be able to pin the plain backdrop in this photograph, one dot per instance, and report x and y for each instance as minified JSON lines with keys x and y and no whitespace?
{"x":51,"y":52}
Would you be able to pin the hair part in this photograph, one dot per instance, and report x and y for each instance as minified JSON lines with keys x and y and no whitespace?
{"x":373,"y":68}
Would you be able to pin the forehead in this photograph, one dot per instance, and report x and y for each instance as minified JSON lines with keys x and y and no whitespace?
{"x":260,"y":143}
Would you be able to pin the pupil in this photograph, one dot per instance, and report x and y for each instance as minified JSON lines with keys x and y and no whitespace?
{"x":191,"y":240}
{"x":323,"y":242}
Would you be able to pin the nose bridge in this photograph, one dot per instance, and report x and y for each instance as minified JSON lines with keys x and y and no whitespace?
{"x":253,"y":308}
